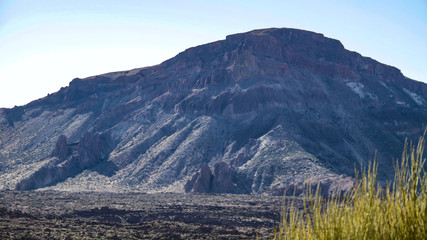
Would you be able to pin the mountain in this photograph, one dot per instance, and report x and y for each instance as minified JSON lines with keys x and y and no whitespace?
{"x":258,"y":112}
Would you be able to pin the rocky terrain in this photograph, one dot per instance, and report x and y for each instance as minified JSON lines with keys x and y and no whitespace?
{"x":62,"y":215}
{"x":258,"y":112}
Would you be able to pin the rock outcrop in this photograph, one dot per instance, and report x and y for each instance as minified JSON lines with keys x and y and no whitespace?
{"x":328,"y":185}
{"x":222,"y":178}
{"x":61,"y":150}
{"x":274,"y":107}
{"x":201,"y":181}
{"x":221,"y":181}
{"x":69,"y":160}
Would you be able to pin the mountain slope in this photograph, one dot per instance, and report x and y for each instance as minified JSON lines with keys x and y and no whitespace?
{"x":257,"y":112}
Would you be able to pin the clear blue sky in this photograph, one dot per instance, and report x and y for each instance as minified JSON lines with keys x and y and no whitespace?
{"x":44,"y":44}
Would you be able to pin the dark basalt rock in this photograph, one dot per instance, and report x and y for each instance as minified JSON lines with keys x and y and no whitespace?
{"x":274,"y":107}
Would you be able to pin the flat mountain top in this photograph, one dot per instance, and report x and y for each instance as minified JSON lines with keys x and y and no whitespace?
{"x":258,"y":112}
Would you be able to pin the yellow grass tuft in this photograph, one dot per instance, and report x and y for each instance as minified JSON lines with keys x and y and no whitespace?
{"x":368,"y":211}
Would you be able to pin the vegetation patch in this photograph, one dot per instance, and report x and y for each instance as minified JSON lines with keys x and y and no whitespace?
{"x":396,"y":210}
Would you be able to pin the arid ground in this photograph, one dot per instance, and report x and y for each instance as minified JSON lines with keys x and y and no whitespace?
{"x":66,"y":215}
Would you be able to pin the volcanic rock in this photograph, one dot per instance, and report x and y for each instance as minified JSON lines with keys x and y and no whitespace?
{"x":61,"y":150}
{"x":274,"y":107}
{"x":68,"y":161}
{"x":221,"y":181}
{"x":203,"y":181}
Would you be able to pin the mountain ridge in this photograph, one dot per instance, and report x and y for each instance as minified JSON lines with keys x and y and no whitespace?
{"x":264,"y":111}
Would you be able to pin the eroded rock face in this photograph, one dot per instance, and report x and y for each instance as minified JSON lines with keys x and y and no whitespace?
{"x":69,"y":160}
{"x":61,"y":150}
{"x":221,"y":181}
{"x":275,"y":107}
{"x":92,"y":148}
{"x":203,"y":183}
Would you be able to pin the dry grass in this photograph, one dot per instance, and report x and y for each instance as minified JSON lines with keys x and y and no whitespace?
{"x":368,"y":211}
